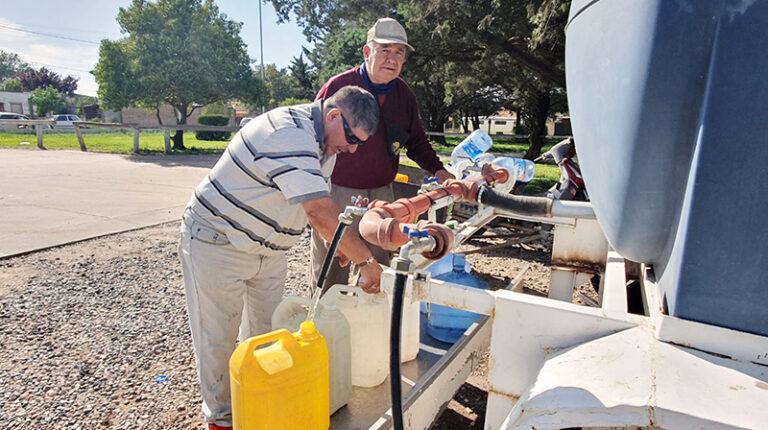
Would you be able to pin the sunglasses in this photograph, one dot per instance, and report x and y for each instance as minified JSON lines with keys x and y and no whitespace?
{"x":351,"y":138}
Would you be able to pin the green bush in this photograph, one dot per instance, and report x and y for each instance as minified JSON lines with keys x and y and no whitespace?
{"x":291,"y":101}
{"x":213,"y":119}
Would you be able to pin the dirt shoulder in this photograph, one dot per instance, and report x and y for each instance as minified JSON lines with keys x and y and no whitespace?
{"x":95,"y":334}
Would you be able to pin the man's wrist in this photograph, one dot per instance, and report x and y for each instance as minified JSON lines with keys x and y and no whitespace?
{"x":367,"y":261}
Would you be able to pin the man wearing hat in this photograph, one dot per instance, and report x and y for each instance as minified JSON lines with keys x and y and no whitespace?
{"x":370,"y":171}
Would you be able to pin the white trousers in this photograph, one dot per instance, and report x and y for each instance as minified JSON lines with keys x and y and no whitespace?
{"x":224,"y":286}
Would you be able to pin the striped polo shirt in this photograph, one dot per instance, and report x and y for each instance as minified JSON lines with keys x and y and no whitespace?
{"x":254,"y":192}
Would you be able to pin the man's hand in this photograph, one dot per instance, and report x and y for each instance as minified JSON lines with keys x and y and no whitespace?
{"x":371,"y":274}
{"x":343,"y":259}
{"x":443,"y":174}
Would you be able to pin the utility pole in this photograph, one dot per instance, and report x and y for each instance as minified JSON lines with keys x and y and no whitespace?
{"x":261,"y":51}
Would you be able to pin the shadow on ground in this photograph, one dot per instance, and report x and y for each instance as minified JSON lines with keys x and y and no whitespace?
{"x":197,"y":159}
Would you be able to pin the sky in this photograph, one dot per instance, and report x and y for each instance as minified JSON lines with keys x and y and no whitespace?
{"x":64,"y":36}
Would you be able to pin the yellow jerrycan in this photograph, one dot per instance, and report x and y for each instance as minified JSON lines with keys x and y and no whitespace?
{"x":283,"y":385}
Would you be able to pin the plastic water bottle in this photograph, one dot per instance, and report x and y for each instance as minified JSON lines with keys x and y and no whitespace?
{"x":470,"y":148}
{"x":484,"y":159}
{"x":440,"y":267}
{"x":446,"y":323}
{"x":519,"y":168}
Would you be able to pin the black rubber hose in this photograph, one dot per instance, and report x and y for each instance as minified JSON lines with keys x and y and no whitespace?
{"x":521,"y":205}
{"x":337,"y":235}
{"x":394,"y":351}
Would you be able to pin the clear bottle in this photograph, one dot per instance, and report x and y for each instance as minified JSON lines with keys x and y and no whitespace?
{"x":519,"y":168}
{"x":470,"y":148}
{"x":484,"y":159}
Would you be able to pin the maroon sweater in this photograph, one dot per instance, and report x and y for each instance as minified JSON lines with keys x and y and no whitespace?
{"x":373,"y":164}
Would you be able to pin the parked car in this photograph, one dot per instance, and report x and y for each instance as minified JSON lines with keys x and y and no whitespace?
{"x":245,"y":121}
{"x":17,"y":116}
{"x":65,"y":120}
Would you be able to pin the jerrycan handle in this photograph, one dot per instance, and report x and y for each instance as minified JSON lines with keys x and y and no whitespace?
{"x":364,"y":298}
{"x":276,"y":357}
{"x":333,"y":292}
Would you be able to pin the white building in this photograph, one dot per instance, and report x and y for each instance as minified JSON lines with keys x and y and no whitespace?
{"x":503,"y":122}
{"x":15,"y":102}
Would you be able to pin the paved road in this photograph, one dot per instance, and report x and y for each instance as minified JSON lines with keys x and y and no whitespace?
{"x":49,"y":198}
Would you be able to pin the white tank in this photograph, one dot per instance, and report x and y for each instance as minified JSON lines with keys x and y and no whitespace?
{"x":333,"y":326}
{"x":368,"y":317}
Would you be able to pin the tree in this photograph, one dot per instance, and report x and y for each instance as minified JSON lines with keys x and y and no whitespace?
{"x":290,"y":101}
{"x":280,"y":86}
{"x":180,"y":52}
{"x":339,"y":51}
{"x":303,"y":76}
{"x":10,"y":64}
{"x":518,"y":46}
{"x":475,"y":101}
{"x":46,"y":100}
{"x":32,"y":79}
{"x":11,"y":84}
{"x":85,"y":101}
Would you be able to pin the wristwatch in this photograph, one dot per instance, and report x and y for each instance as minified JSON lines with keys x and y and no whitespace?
{"x":367,"y":261}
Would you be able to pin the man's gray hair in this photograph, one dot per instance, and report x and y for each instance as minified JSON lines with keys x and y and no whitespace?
{"x":359,"y":107}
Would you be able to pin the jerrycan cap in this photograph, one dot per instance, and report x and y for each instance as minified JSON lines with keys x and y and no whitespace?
{"x":308,"y":332}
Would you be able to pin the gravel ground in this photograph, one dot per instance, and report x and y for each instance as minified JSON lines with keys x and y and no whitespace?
{"x":94,"y":335}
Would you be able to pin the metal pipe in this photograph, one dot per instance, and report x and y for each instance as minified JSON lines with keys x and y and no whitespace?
{"x":573,"y":209}
{"x":345,"y":220}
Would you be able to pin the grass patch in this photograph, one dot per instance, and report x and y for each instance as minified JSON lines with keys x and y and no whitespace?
{"x":500,"y":144}
{"x":152,"y":143}
{"x":116,"y":142}
{"x":545,"y":176}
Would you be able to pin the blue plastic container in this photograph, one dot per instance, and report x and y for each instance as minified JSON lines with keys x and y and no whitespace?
{"x":447,"y":324}
{"x":667,"y":102}
{"x":442,"y":266}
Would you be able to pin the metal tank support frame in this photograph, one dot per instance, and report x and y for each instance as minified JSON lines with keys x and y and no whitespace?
{"x":556,"y":364}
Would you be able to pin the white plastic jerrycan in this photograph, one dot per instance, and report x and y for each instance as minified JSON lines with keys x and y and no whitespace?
{"x":368,"y":317}
{"x":409,"y":326}
{"x":333,"y":326}
{"x":290,"y":313}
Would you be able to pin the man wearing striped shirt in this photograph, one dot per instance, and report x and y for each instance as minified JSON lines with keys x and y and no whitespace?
{"x":251,"y":208}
